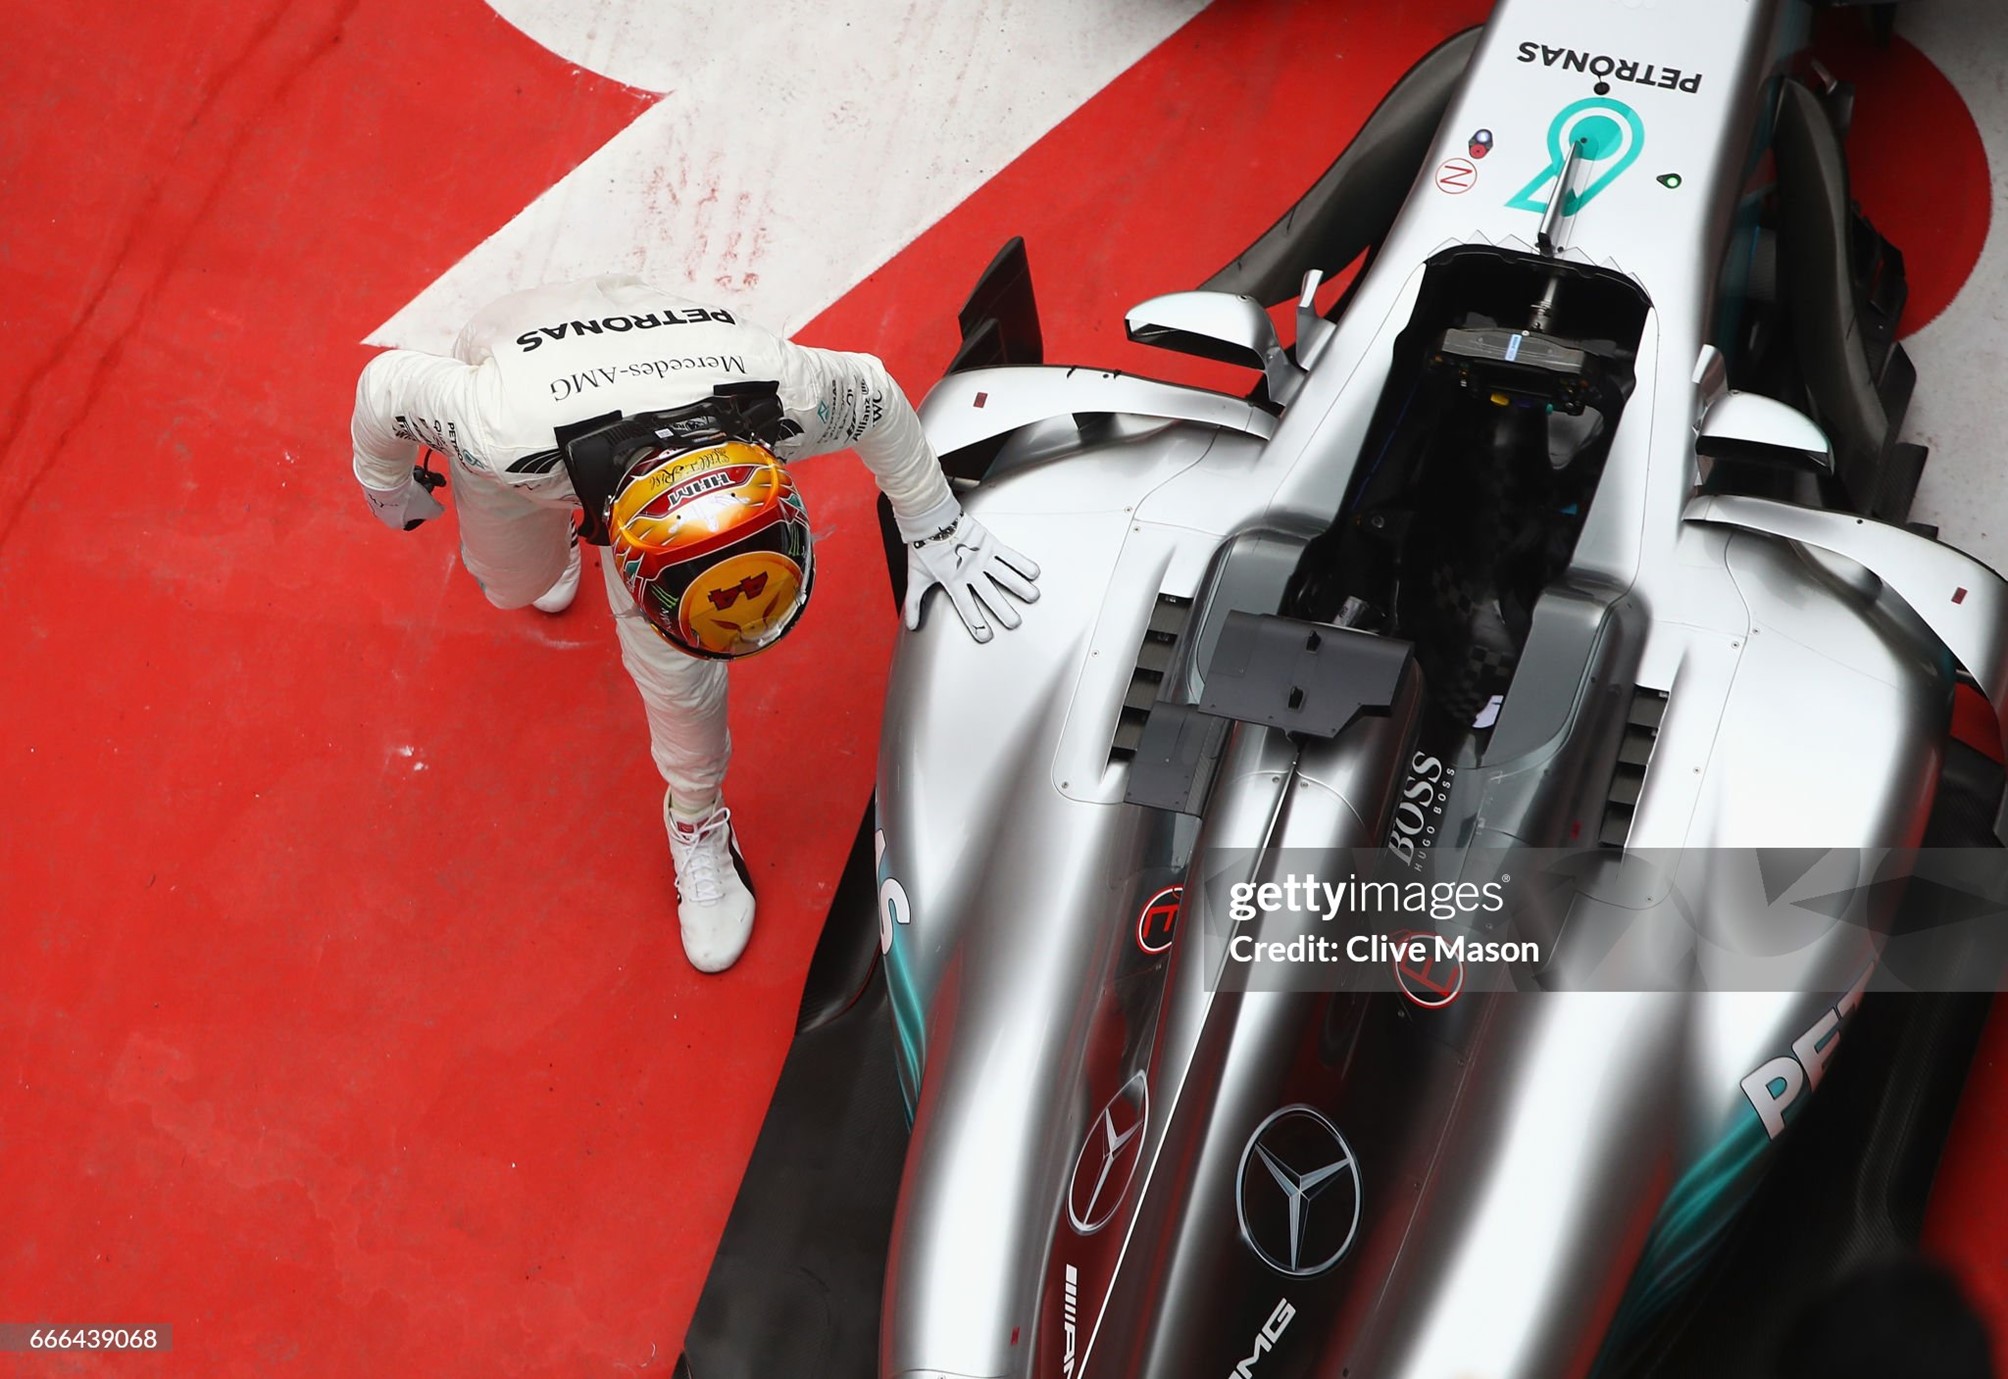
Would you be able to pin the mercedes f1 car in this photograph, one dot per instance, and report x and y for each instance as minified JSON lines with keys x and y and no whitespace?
{"x":1578,"y":523}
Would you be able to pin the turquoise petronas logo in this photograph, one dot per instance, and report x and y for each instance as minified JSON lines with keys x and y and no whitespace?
{"x":1612,"y":136}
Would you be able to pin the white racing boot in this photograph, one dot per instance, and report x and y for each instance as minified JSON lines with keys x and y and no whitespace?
{"x":713,"y":902}
{"x":559,"y":596}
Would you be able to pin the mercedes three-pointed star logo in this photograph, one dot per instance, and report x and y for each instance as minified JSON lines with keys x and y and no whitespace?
{"x":1108,"y":1157}
{"x":1297,"y":1192}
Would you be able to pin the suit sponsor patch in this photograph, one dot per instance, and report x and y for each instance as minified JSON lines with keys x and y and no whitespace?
{"x":848,"y":414}
{"x":586,"y":380}
{"x":620,"y":325}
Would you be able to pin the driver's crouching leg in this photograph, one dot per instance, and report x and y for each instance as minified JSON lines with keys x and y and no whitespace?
{"x":518,"y":550}
{"x":684,"y":697}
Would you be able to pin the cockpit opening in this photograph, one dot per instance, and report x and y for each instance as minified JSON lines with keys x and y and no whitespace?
{"x":1479,"y":467}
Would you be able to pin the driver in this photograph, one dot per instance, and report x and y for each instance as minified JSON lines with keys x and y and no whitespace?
{"x":564,"y":359}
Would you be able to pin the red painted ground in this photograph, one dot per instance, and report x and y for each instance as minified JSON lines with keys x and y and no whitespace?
{"x":343,"y":1023}
{"x":1916,"y":165}
{"x":1968,"y":1224}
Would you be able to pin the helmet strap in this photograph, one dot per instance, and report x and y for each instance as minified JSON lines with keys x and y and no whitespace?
{"x":599,"y":451}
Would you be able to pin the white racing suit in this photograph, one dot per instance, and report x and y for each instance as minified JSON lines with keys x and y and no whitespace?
{"x":556,"y":356}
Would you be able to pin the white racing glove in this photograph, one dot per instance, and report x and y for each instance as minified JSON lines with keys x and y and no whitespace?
{"x":404,"y":507}
{"x":947,"y":546}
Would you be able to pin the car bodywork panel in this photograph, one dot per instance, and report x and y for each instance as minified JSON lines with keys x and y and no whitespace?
{"x":1526,"y":1171}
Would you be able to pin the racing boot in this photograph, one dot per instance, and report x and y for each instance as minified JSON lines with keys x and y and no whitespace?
{"x":559,"y":596}
{"x":714,"y":903}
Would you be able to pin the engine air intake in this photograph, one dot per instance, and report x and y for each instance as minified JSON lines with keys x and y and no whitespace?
{"x":1153,"y":659}
{"x":1648,"y":707}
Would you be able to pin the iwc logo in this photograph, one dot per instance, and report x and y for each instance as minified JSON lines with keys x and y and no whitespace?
{"x":1108,"y":1158}
{"x":1297,"y":1194}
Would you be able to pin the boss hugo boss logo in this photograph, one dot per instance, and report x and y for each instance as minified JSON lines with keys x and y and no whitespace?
{"x":1604,"y":67}
{"x":688,"y":316}
{"x":1297,"y":1193}
{"x":1413,"y":828}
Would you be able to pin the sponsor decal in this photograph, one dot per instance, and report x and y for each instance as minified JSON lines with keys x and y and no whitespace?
{"x":1266,"y":1337}
{"x":655,"y":493}
{"x":662,"y":368}
{"x":534,"y":338}
{"x":440,"y":436}
{"x":679,"y":490}
{"x":1108,"y":1157}
{"x":1157,"y":922}
{"x":749,"y":586}
{"x":1611,"y":136}
{"x":1070,"y":1310}
{"x":1412,"y":831}
{"x":754,"y":624}
{"x":1457,"y":176}
{"x":1774,"y":1087}
{"x":562,"y":388}
{"x":1429,"y":979}
{"x":571,"y":385}
{"x":1297,"y":1192}
{"x":1604,"y":67}
{"x":847,"y":414}
{"x":892,"y":906}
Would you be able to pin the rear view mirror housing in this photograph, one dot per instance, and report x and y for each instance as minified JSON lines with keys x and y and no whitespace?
{"x":1220,"y":326}
{"x":1750,"y":426}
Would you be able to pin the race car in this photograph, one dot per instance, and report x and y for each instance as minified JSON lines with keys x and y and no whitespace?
{"x":1576,"y":528}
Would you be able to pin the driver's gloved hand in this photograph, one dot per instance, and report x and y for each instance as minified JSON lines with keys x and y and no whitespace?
{"x":402,"y":508}
{"x":949,"y":547}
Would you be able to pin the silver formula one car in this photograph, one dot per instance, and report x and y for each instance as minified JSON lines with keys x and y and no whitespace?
{"x":1577,"y":525}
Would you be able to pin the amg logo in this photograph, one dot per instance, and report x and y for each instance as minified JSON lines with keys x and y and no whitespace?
{"x":620,"y":325}
{"x":1608,"y":68}
{"x":1265,"y":1339}
{"x":1069,"y":1310}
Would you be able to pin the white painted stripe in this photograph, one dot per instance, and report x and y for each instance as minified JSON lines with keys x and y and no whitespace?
{"x":797,"y":145}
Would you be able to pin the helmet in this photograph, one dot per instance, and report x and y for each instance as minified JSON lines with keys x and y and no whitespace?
{"x":714,"y":546}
